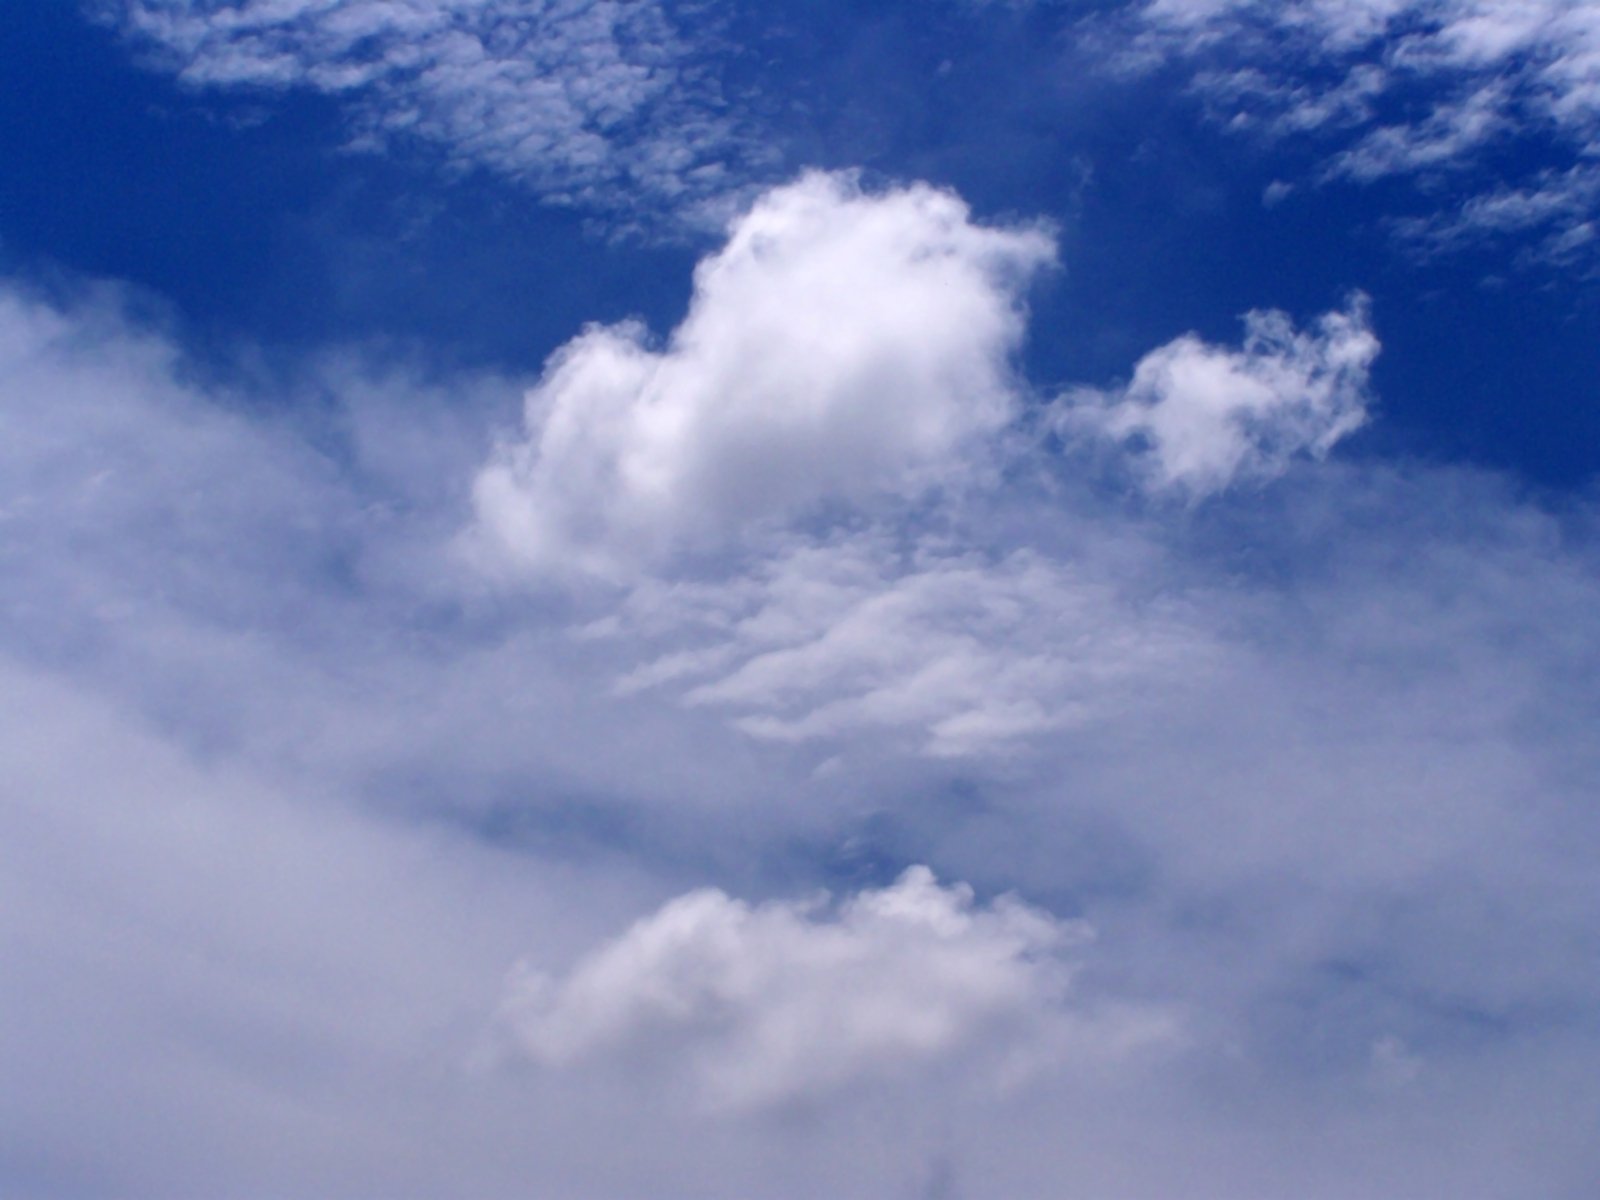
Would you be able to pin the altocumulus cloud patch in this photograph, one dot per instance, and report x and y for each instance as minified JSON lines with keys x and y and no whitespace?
{"x":605,"y":105}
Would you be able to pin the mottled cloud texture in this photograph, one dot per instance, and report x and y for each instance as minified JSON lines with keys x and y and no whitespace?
{"x":607,"y":105}
{"x":624,"y":111}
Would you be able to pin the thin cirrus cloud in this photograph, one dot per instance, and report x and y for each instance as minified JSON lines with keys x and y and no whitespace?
{"x":1556,"y":207}
{"x":609,"y":106}
{"x":950,"y":651}
{"x":1352,"y":78}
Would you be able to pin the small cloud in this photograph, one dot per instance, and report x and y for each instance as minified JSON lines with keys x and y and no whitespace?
{"x":763,"y":1004}
{"x":1201,"y":417}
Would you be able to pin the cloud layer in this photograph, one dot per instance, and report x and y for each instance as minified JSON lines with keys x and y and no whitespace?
{"x":291,"y":784}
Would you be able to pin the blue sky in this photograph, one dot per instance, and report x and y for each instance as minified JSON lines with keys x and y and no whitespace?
{"x":959,"y":598}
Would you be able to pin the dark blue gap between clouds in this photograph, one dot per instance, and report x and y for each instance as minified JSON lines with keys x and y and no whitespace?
{"x":244,"y":212}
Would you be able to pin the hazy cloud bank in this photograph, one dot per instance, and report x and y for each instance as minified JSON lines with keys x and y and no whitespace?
{"x":291,"y":784}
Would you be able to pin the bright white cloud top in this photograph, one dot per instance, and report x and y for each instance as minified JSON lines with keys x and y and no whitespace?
{"x":840,"y":348}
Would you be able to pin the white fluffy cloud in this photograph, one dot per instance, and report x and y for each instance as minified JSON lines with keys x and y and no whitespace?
{"x":845,"y":353}
{"x":784,"y":1001}
{"x":842,"y":346}
{"x":1210,"y":416}
{"x":599,"y":103}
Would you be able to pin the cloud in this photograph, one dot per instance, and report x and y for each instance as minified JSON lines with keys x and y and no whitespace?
{"x":957,"y":653}
{"x":1554,"y":210}
{"x":605,"y":105}
{"x":1211,"y":416}
{"x":1409,"y":87}
{"x":287,"y":791}
{"x":844,"y":346}
{"x":1449,"y":135}
{"x":786,"y":1001}
{"x":777,"y":495}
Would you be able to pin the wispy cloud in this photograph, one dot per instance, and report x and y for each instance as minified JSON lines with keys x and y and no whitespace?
{"x":606,"y":105}
{"x":1555,"y":212}
{"x":1393,"y":87}
{"x":946,"y":649}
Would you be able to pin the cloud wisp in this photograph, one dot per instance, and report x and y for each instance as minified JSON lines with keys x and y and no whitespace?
{"x":1402,"y":88}
{"x":610,"y":107}
{"x":952,"y":651}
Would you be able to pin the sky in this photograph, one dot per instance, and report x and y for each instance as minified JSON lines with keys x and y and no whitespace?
{"x":917,"y":600}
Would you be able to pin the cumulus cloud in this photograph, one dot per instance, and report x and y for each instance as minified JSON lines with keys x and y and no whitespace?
{"x":1209,"y":416}
{"x":602,"y":104}
{"x":785,"y":1001}
{"x":843,"y":346}
{"x":776,"y":492}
